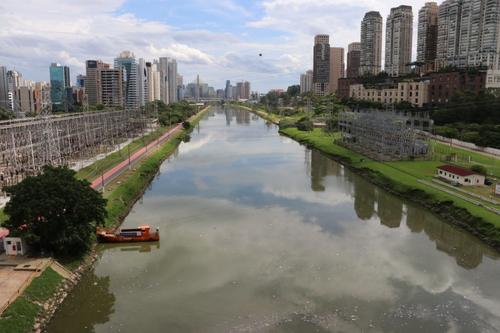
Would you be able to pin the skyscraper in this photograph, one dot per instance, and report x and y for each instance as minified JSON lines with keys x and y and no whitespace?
{"x":142,"y":82}
{"x":172,"y":81}
{"x":14,"y":81}
{"x":111,"y":87}
{"x":153,"y":77}
{"x":337,"y":67}
{"x":353,"y":60}
{"x":306,"y":82}
{"x":4,"y":89}
{"x":93,"y":80}
{"x":371,"y":44}
{"x":227,"y":91}
{"x":59,"y":84}
{"x":427,"y":35}
{"x":164,"y":89}
{"x":398,"y":41}
{"x":321,"y":65}
{"x":469,"y":33}
{"x":126,"y":61}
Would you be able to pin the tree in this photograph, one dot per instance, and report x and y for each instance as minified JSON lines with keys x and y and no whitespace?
{"x":479,"y":169}
{"x":55,"y":212}
{"x":5,"y":115}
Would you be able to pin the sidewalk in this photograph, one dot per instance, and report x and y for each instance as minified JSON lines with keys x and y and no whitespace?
{"x":118,"y":169}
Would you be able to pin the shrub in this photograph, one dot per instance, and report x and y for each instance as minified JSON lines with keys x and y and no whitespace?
{"x":479,"y":169}
{"x":305,"y":124}
{"x":285,"y":123}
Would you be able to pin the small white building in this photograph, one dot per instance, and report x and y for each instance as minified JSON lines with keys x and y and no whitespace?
{"x":3,"y":233}
{"x":460,"y":175}
{"x":15,"y":246}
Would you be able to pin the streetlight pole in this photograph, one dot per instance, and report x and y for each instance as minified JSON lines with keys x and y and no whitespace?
{"x":128,"y":150}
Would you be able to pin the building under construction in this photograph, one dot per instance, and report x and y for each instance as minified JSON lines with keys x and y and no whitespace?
{"x":26,"y":145}
{"x":386,"y":135}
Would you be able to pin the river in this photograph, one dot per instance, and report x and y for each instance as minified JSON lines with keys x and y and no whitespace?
{"x":260,"y":234}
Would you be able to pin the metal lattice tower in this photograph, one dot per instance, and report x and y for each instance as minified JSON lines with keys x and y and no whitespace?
{"x":27,"y":144}
{"x":386,"y":135}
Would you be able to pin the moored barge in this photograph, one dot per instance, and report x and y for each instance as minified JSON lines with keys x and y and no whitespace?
{"x":142,"y":233}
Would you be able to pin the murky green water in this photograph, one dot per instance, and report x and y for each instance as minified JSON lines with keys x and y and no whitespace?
{"x":260,"y":234}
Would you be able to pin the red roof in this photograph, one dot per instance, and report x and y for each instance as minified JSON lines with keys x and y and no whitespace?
{"x":4,"y":232}
{"x":457,"y":170}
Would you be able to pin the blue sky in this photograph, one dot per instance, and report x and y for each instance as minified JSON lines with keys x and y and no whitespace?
{"x":217,"y":39}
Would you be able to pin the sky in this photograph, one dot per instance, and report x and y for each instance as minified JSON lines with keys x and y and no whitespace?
{"x":219,"y":40}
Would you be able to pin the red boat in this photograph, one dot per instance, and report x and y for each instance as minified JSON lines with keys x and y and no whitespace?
{"x":142,"y":233}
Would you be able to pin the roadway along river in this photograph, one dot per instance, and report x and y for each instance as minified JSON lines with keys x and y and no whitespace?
{"x":260,"y":234}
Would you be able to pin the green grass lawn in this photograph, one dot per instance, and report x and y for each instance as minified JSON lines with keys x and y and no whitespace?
{"x":20,"y":315}
{"x":465,"y":158}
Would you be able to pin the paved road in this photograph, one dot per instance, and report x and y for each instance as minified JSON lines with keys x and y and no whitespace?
{"x":117,"y":170}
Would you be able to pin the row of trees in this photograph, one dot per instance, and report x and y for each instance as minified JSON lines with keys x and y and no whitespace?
{"x":470,"y":118}
{"x":173,"y":113}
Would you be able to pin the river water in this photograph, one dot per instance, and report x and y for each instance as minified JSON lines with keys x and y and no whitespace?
{"x":260,"y":234}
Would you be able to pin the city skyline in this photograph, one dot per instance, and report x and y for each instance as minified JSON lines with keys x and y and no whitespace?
{"x":218,"y":41}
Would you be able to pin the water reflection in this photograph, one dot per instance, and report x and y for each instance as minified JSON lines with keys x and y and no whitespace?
{"x":91,"y":303}
{"x":370,"y":201}
{"x":241,"y":116}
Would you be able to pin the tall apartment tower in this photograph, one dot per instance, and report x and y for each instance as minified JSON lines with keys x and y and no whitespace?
{"x":427,"y":35}
{"x":111,"y":87}
{"x":353,"y":60}
{"x":93,"y":80}
{"x":154,"y":78}
{"x":172,"y":80}
{"x":164,"y":89}
{"x":398,"y":41}
{"x":126,"y":61}
{"x":306,"y":82}
{"x":371,"y":44}
{"x":469,"y":33}
{"x":4,"y":89}
{"x":142,"y":82}
{"x":321,"y":65}
{"x":337,"y":67}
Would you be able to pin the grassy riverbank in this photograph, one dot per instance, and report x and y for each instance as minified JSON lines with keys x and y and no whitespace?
{"x":20,"y":316}
{"x":403,"y":178}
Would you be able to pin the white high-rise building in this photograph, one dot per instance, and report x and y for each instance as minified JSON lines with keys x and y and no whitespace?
{"x":398,"y":41}
{"x":306,"y":82}
{"x":142,"y":82}
{"x":469,"y":33}
{"x":154,"y":78}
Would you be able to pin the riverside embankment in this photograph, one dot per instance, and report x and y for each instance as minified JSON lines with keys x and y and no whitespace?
{"x":33,"y":309}
{"x":405,"y":180}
